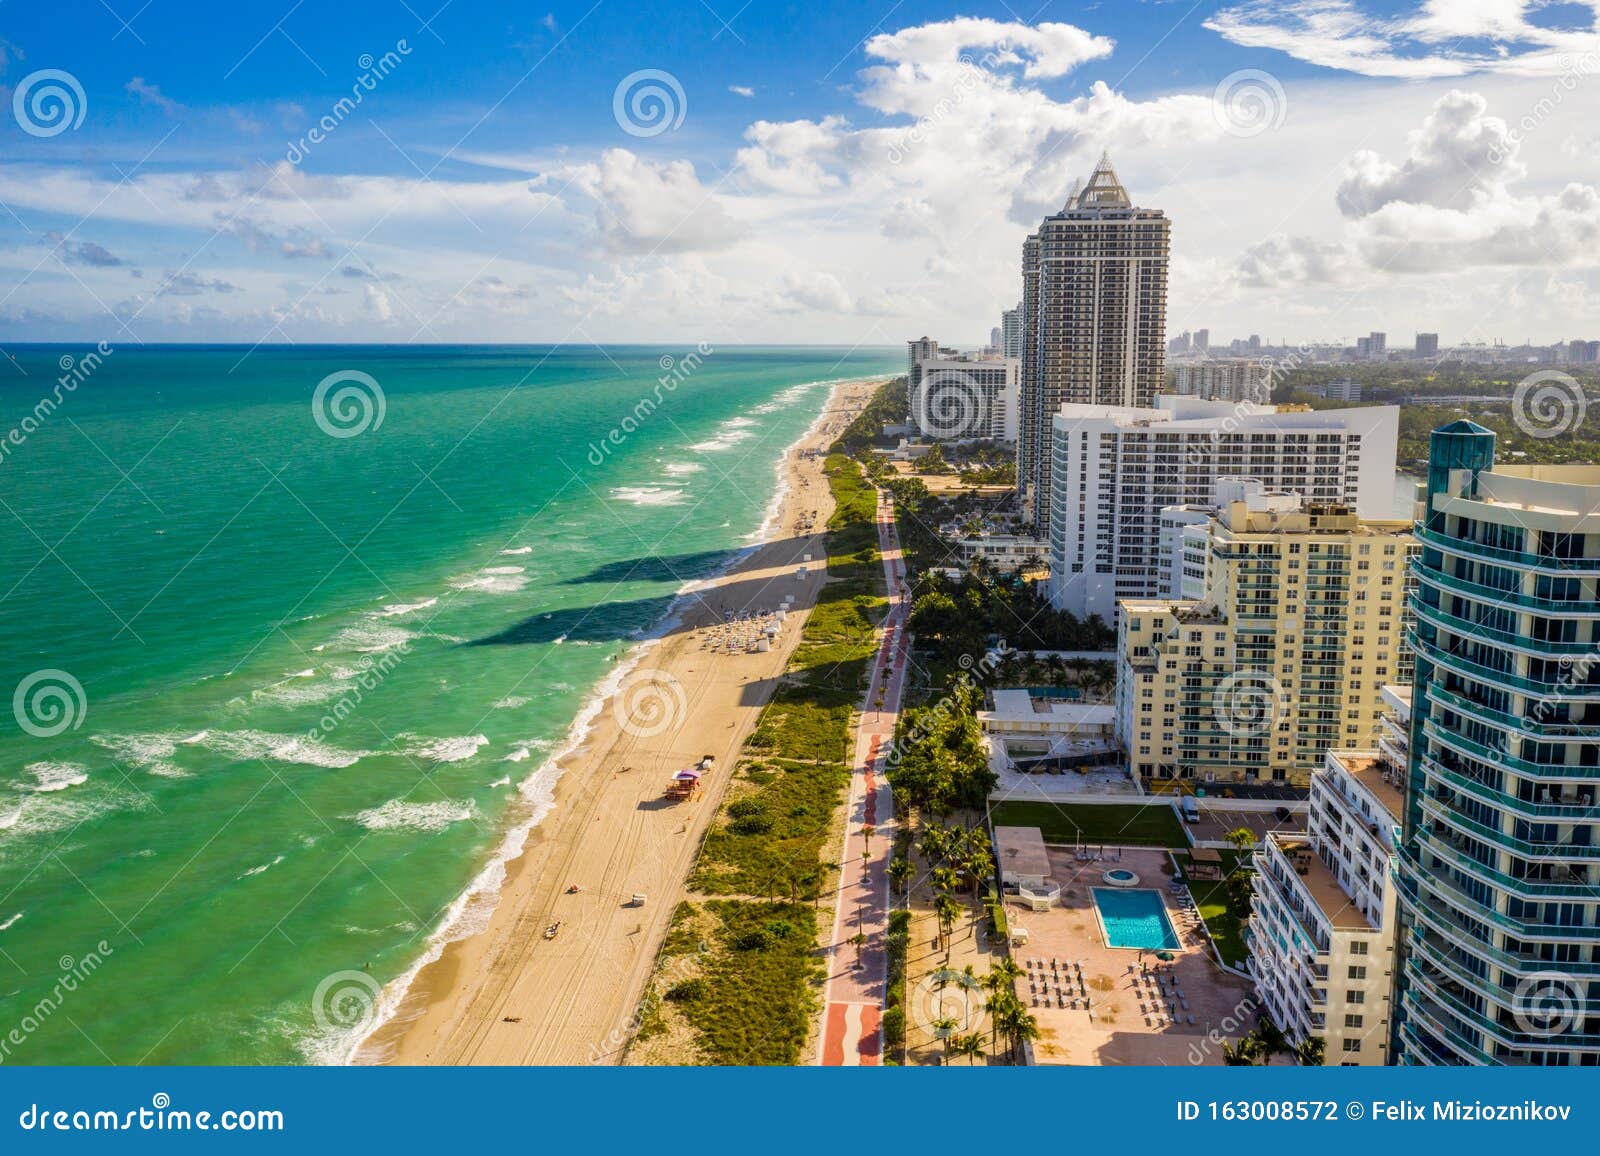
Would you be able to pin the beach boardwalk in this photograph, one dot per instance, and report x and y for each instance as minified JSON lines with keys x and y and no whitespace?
{"x":857,"y":976}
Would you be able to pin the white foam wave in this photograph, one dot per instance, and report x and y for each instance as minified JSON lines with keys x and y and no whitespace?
{"x":503,"y":781}
{"x":399,"y":815}
{"x":512,"y":702}
{"x":491,"y":580}
{"x":147,"y":752}
{"x":516,"y":550}
{"x":11,"y":922}
{"x":683,"y":469}
{"x":647,"y":495}
{"x":297,"y":749}
{"x":451,"y":750}
{"x":261,"y":868}
{"x":395,"y":609}
{"x":371,"y":637}
{"x":50,"y":777}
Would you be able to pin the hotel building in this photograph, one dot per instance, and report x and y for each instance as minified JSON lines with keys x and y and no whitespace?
{"x":1323,"y":918}
{"x":1499,"y":866}
{"x":1284,"y":658}
{"x":962,"y":396}
{"x":1116,"y":468}
{"x":1240,"y":379}
{"x":1094,"y":318}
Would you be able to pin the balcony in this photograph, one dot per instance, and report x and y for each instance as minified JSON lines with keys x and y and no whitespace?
{"x":1554,"y":607}
{"x":1469,"y":629}
{"x":1532,"y":889}
{"x":1557,"y":688}
{"x":1488,"y":714}
{"x":1454,"y":896}
{"x":1520,"y":559}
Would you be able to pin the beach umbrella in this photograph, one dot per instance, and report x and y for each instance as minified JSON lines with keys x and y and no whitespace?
{"x":1165,"y":956}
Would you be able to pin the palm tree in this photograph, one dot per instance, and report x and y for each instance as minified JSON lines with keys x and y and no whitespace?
{"x":1003,"y":1007}
{"x":867,"y":831}
{"x":901,"y":872}
{"x":1002,"y":975}
{"x":943,"y":1030}
{"x":944,"y":879}
{"x":971,"y":1046}
{"x":1312,"y":1053}
{"x":1024,"y":1028}
{"x":947,"y":911}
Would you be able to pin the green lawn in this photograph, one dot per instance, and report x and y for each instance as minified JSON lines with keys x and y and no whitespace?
{"x":1212,"y":900}
{"x":1127,"y":824}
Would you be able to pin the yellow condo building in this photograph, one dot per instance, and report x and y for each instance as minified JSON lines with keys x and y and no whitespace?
{"x":1301,"y":623}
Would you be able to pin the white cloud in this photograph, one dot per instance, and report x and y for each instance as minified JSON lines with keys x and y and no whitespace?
{"x":1437,"y":39}
{"x":645,"y":207}
{"x":741,"y":90}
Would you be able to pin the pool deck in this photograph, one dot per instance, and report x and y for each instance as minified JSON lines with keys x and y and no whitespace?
{"x":1114,"y":1030}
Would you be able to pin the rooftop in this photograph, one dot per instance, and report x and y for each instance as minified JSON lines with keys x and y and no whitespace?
{"x":1319,"y":882}
{"x":1368,"y":769}
{"x":1021,"y":851}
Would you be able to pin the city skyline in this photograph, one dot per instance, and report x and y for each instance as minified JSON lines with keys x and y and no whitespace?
{"x":847,"y":185}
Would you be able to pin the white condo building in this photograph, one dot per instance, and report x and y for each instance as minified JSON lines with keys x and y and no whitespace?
{"x":1322,"y":929}
{"x":1115,"y":468}
{"x":965,"y":396}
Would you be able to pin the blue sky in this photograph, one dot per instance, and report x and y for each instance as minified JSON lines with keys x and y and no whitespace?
{"x":829,"y":171}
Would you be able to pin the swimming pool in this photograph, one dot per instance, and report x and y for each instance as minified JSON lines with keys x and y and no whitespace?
{"x":1135,"y":919}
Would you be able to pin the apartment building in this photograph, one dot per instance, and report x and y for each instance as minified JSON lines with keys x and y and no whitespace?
{"x":1094,"y":318}
{"x":1499,"y":865}
{"x":1116,"y":468}
{"x":1282,"y":659}
{"x":962,"y":396}
{"x":1322,"y":925}
{"x":1225,"y":379}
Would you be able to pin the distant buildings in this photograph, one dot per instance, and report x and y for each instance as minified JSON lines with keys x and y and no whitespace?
{"x":1375,"y":346}
{"x":1322,"y":929}
{"x":1202,"y":340}
{"x":957,"y":396}
{"x":1116,"y":468}
{"x":1343,"y":390}
{"x":1232,"y":379}
{"x":1011,"y":333}
{"x":1499,"y":866}
{"x":1094,"y":302}
{"x":1282,"y":658}
{"x":1427,"y":345}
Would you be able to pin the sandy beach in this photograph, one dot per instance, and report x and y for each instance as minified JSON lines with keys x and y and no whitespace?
{"x":508,"y":995}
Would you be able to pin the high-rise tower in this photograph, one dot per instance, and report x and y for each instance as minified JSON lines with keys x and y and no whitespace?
{"x":1094,"y":304}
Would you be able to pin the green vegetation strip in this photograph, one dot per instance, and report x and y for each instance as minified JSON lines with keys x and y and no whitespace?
{"x":1114,"y":824}
{"x":757,"y":974}
{"x":1222,"y":906}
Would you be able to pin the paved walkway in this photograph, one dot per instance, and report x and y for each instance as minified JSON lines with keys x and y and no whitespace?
{"x":852,"y":1020}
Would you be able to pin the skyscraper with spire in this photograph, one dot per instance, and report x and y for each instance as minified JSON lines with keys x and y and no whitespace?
{"x":1094,"y":317}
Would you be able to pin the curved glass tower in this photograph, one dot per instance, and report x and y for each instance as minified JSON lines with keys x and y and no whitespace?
{"x":1499,"y":867}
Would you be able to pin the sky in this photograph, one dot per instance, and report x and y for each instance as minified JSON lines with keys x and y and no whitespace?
{"x":828,"y":172}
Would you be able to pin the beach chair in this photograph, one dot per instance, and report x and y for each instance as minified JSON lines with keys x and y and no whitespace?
{"x":1191,"y":1021}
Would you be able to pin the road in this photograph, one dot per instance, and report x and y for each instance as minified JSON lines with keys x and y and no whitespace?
{"x":853,"y":1010}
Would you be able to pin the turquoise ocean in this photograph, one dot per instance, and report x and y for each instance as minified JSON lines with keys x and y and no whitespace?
{"x":286,"y":671}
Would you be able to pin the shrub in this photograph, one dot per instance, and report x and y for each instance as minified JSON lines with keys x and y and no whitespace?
{"x":687,"y":991}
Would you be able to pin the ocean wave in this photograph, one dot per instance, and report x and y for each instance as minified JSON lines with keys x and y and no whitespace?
{"x":503,"y":781}
{"x":491,"y":580}
{"x":371,"y":637}
{"x":261,"y":868}
{"x":293,"y":693}
{"x":11,"y":922}
{"x":297,"y":749}
{"x":512,"y":702}
{"x":516,"y":550}
{"x":682,"y":469}
{"x":648,"y":495}
{"x":725,"y":440}
{"x":399,"y":815}
{"x":451,"y":750}
{"x":50,"y":777}
{"x":395,"y":609}
{"x":146,"y":752}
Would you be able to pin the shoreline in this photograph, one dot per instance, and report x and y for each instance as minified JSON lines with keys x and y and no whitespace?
{"x":488,"y":952}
